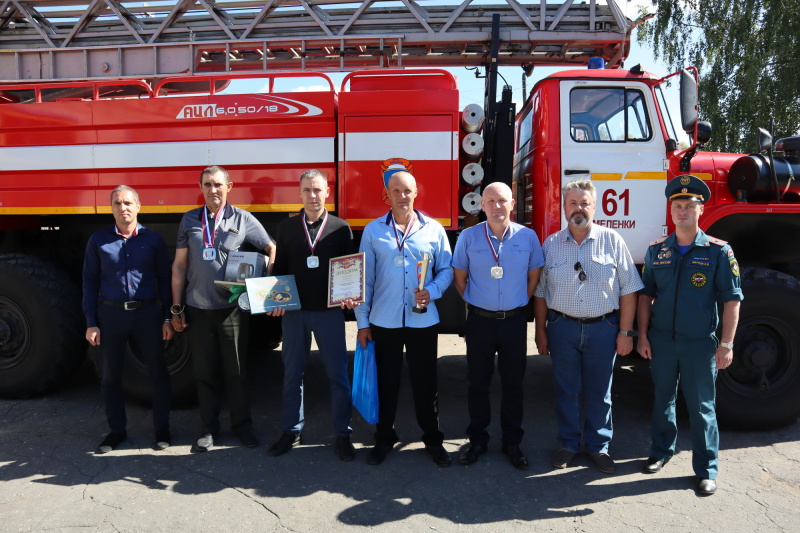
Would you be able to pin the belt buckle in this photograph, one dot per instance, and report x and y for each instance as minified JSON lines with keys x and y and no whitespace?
{"x":131,"y":303}
{"x":501,"y":315}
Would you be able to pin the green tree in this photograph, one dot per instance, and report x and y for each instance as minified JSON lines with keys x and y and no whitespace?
{"x":748,"y":56}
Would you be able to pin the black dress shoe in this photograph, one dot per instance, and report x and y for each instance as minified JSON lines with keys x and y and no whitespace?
{"x":247,"y":437}
{"x":440,"y":455}
{"x":471,"y":452}
{"x":345,"y":449}
{"x":561,"y":458}
{"x":706,"y":487}
{"x":111,"y":441}
{"x":378,"y":453}
{"x":516,"y":456}
{"x":163,"y":440}
{"x":653,"y":465}
{"x":604,"y":463}
{"x":285,"y":443}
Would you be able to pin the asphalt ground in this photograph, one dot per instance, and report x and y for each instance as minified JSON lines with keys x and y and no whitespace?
{"x":50,"y":479}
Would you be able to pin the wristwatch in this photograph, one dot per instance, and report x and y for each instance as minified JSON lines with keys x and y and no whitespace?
{"x":629,"y":332}
{"x":728,"y":345}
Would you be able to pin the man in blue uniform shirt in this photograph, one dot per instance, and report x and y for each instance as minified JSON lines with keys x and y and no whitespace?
{"x":685,"y":276}
{"x":491,"y":264}
{"x":393,"y":244}
{"x":126,"y":294}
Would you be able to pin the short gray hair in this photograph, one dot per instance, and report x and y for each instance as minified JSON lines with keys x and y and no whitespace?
{"x":121,"y":188}
{"x":579,"y":185}
{"x":213,"y":169}
{"x":313,"y":173}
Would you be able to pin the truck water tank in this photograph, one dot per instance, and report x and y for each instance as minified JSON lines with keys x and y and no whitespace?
{"x":751,"y":174}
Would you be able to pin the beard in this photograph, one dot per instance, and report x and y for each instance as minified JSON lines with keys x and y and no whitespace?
{"x":579,"y":220}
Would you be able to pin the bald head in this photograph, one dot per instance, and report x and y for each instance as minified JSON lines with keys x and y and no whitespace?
{"x":402,"y":190}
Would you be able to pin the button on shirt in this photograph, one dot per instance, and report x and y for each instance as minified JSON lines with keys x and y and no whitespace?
{"x":236,"y":228}
{"x":520,"y":252}
{"x":117,"y":269}
{"x":389,"y":289}
{"x":607,"y":263}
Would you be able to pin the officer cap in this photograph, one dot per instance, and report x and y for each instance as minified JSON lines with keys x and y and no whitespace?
{"x":687,"y":187}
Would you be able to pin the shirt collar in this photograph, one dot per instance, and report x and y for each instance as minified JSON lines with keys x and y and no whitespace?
{"x":420,"y":217}
{"x":701,"y":239}
{"x":139,"y":229}
{"x":317,"y":222}
{"x":227,"y":210}
{"x":592,"y":235}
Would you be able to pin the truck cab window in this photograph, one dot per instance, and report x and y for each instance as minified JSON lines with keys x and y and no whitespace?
{"x":609,"y":114}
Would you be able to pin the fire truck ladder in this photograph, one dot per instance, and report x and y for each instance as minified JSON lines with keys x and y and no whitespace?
{"x":51,"y":40}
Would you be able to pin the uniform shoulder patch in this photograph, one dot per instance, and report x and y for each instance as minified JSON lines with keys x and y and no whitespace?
{"x":718,"y":242}
{"x":658,"y":241}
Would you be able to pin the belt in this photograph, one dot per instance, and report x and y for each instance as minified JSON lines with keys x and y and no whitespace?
{"x":588,"y":320}
{"x":130,"y":306}
{"x":498,"y":315}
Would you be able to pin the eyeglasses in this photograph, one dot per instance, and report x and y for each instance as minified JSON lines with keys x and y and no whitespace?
{"x":581,"y":272}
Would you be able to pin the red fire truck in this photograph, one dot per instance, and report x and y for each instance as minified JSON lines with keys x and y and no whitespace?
{"x":84,"y":109}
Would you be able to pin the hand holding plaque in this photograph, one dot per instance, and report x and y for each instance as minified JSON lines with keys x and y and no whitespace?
{"x":422,"y":273}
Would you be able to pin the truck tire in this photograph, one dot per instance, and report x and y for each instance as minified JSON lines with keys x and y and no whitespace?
{"x":41,"y":326}
{"x":761,"y":389}
{"x":136,"y":382}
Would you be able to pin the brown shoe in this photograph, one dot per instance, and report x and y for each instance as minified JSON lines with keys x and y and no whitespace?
{"x":561,"y":458}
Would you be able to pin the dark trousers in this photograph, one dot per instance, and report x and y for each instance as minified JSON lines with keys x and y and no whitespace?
{"x":421,"y":351}
{"x":142,"y":328}
{"x":218,"y":338}
{"x":507,"y":338}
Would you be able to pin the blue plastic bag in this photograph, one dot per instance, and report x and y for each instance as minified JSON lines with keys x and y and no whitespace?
{"x":365,"y":382}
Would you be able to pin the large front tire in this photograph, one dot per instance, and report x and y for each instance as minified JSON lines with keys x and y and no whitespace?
{"x":761,"y":389}
{"x":41,"y":326}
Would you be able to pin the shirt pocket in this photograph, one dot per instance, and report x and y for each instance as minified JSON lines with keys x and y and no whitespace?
{"x":602,"y":269}
{"x":230,"y":241}
{"x":559,"y":271}
{"x":516,"y":259}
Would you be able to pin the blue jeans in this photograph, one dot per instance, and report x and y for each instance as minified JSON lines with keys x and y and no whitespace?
{"x":583,"y":358}
{"x":328,"y":329}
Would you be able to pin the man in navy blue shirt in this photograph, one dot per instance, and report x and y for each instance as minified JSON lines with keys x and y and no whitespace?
{"x":492,"y":263}
{"x":126,"y":295}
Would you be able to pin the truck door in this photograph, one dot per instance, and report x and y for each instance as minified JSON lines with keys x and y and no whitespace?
{"x":610,"y":133}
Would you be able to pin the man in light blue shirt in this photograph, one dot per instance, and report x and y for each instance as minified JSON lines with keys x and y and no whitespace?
{"x":393,"y":245}
{"x":496,"y":267}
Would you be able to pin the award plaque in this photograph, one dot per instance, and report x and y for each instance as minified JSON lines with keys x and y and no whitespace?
{"x":422,"y":274}
{"x":346,"y":279}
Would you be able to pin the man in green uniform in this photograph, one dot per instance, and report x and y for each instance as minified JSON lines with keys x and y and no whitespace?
{"x":685,"y":276}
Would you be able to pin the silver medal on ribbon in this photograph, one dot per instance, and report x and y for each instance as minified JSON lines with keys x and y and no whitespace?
{"x":497,"y":272}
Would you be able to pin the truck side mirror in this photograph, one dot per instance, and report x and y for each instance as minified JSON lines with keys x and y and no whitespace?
{"x":688,"y":92}
{"x":703,"y":132}
{"x":764,"y":140}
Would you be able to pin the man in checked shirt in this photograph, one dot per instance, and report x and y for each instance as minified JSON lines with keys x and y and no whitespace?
{"x":584,"y":307}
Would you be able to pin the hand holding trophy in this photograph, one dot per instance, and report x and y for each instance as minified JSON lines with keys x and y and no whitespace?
{"x":422,"y":273}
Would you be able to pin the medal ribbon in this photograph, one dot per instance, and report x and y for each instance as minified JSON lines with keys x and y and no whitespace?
{"x":313,"y":245}
{"x":402,"y":242}
{"x":208,"y":234}
{"x":495,"y":254}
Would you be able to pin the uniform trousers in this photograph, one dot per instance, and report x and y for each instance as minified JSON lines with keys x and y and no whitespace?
{"x":142,"y":328}
{"x":421,"y":352}
{"x":508,"y":339}
{"x":583,"y":358}
{"x":328,"y":329}
{"x":218,"y":339}
{"x":691,"y":363}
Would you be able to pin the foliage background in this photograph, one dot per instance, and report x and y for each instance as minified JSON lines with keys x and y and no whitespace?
{"x":748,"y":55}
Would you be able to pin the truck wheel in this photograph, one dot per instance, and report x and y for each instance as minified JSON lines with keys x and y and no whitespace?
{"x":41,"y":326}
{"x":761,"y":389}
{"x":136,"y":381}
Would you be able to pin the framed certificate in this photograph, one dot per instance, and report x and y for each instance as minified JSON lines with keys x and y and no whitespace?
{"x":266,"y":294}
{"x":346,"y":276}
